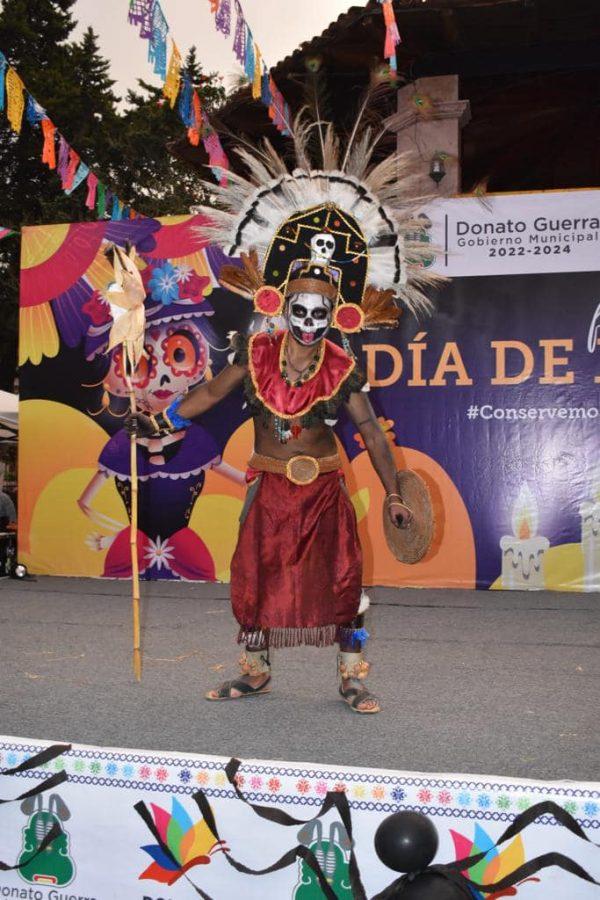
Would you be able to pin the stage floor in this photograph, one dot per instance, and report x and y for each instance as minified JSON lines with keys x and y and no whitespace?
{"x":470,"y":681}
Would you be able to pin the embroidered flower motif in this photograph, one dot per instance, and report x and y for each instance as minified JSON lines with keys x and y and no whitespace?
{"x":523,"y":803}
{"x":274,"y":785}
{"x":340,"y":787}
{"x":302,"y":786}
{"x":445,"y":797}
{"x":464,"y":798}
{"x":503,"y":801}
{"x":111,"y":769}
{"x":59,"y":765}
{"x":378,"y":793}
{"x":202,"y":777}
{"x":570,"y":806}
{"x":11,"y":759}
{"x":185,"y":775}
{"x":239,"y":780}
{"x":128,"y":771}
{"x":590,"y":808}
{"x":97,"y":309}
{"x":159,"y":553}
{"x":145,"y":772}
{"x":484,"y":801}
{"x":358,"y":792}
{"x":321,"y":787}
{"x":163,"y":284}
{"x":398,"y":794}
{"x":194,"y":288}
{"x":95,"y":768}
{"x":424,"y":795}
{"x":78,"y":765}
{"x":183,"y":272}
{"x":162,"y":774}
{"x":255,"y":782}
{"x":220,"y":778}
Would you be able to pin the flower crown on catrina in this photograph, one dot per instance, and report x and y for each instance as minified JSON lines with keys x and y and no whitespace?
{"x":349,"y":227}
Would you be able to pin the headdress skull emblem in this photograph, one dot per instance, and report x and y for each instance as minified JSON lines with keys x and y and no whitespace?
{"x":322,"y":247}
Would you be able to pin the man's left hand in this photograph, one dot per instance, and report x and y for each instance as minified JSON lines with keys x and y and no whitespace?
{"x":400,"y":515}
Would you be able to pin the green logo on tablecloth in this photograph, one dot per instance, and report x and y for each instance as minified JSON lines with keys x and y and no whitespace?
{"x":332,"y":855}
{"x":54,"y":865}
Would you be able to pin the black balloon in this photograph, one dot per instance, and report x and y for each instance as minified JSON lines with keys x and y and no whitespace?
{"x":406,"y":842}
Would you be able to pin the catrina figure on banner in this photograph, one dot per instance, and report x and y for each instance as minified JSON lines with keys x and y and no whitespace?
{"x":171,"y":467}
{"x":329,"y":244}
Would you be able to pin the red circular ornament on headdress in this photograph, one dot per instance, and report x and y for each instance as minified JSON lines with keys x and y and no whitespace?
{"x":268,"y":301}
{"x":349,"y":318}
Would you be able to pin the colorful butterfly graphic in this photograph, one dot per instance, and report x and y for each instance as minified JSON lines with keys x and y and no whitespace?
{"x":494,"y":866}
{"x":189,"y":845}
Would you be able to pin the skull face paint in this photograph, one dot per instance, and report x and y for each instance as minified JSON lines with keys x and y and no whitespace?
{"x":308,"y":317}
{"x":322,"y":247}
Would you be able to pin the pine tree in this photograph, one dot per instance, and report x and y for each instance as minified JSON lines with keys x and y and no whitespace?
{"x":162,"y":183}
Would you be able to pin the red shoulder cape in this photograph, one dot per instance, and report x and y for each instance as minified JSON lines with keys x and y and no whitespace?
{"x":264,"y":351}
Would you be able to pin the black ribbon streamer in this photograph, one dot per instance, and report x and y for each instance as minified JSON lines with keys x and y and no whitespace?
{"x":453,"y":871}
{"x":44,"y":756}
{"x":333,"y":799}
{"x":33,"y":762}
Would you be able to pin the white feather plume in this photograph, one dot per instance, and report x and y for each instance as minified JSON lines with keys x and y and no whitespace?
{"x":381,"y":198}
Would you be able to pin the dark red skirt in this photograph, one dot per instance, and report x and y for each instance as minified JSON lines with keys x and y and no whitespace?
{"x":297,"y":569}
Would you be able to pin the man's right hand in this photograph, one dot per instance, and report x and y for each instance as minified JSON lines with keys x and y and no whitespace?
{"x":139,"y":425}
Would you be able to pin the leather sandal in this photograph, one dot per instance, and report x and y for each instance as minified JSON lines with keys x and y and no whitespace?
{"x":357,"y":693}
{"x":223,"y":692}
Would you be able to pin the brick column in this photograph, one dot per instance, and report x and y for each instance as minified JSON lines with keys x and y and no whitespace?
{"x":428,"y":122}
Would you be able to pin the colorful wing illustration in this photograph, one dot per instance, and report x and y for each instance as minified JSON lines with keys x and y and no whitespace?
{"x":189,"y":844}
{"x":495,"y":865}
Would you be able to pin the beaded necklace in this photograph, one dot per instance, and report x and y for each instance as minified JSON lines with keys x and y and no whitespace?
{"x":307,"y":372}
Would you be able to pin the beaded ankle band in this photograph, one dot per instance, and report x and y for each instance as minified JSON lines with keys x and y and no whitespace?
{"x":255,"y":662}
{"x":352,"y":665}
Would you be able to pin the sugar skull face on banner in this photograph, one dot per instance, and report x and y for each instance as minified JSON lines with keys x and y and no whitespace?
{"x":176,"y":358}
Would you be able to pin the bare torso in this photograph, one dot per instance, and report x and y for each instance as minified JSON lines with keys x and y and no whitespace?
{"x":316,"y":441}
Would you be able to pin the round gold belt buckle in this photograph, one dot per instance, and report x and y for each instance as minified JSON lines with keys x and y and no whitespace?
{"x":302,"y":469}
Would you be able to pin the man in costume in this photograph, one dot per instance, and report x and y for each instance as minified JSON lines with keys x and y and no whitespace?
{"x":334,"y":254}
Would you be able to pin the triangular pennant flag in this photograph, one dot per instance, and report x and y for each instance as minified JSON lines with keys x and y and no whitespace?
{"x":49,"y":148}
{"x":223,"y":17}
{"x":196,"y":126}
{"x":101,"y":201}
{"x":74,"y":160}
{"x":157,"y":46}
{"x":80,"y":175}
{"x":15,"y":104}
{"x":173,"y":80}
{"x":92,"y":184}
{"x":257,"y":74}
{"x":239,"y":39}
{"x":3,"y":67}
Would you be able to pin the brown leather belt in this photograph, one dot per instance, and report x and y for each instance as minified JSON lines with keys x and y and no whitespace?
{"x":300,"y":469}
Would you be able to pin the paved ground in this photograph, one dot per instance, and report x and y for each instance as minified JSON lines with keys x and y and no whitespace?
{"x":479,"y":682}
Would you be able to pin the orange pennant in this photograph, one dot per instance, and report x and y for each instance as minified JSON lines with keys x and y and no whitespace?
{"x":49,"y":148}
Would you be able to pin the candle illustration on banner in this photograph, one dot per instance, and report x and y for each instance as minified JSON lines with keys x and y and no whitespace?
{"x":590,"y":537}
{"x":523,"y":551}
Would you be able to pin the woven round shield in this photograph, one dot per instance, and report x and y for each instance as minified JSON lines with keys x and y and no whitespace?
{"x":410,"y":544}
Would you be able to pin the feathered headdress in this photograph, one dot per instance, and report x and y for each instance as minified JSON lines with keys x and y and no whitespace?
{"x":357,"y":218}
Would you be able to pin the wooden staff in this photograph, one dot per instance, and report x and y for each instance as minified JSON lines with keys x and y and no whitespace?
{"x":127,"y":292}
{"x":133,"y":531}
